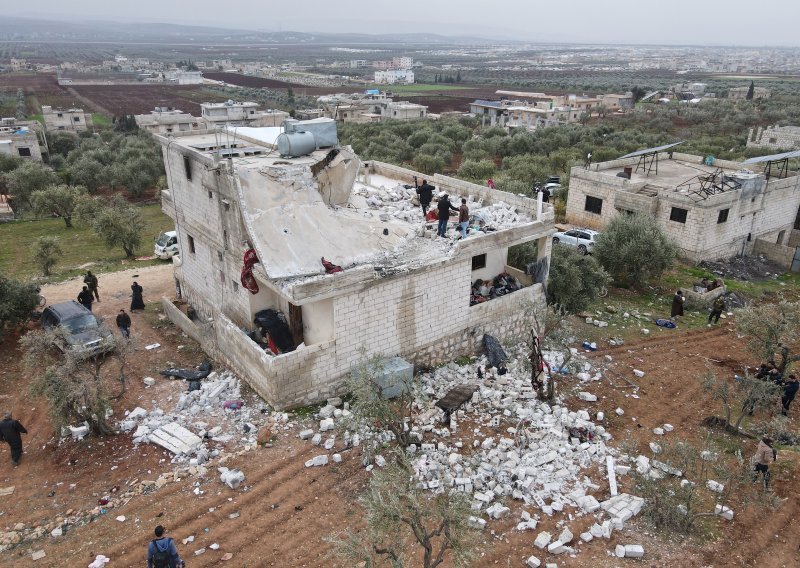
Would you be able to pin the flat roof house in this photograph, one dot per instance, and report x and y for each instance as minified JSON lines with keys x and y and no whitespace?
{"x":294,"y":200}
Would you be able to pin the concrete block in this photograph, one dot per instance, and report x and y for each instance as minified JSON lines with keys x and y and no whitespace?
{"x":233,"y":478}
{"x":715,"y":486}
{"x":326,"y":424}
{"x":619,"y":412}
{"x":668,"y":427}
{"x":316,"y":439}
{"x":658,"y":431}
{"x":149,"y":381}
{"x":566,"y":536}
{"x":80,"y":432}
{"x":533,"y":562}
{"x":317,"y":461}
{"x":619,"y":551}
{"x":476,"y":523}
{"x":306,"y":434}
{"x":556,"y":547}
{"x":542,"y":540}
{"x":395,"y":376}
{"x":137,"y":413}
{"x":634,"y":551}
{"x":724,"y":512}
{"x":586,"y":396}
{"x":638,"y":373}
{"x":337,"y":458}
{"x":587,"y":537}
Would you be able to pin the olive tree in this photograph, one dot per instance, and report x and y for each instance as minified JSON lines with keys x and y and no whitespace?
{"x":770,"y":329}
{"x":740,"y":397}
{"x":634,"y":249}
{"x":17,"y":301}
{"x":28,"y":178}
{"x":46,"y":252}
{"x":575,"y":279}
{"x":58,"y":200}
{"x":116,"y":221}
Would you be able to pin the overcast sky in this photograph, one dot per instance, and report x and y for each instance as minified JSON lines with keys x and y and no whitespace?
{"x":696,"y":22}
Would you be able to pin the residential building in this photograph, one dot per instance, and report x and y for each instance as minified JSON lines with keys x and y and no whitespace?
{"x":20,"y":139}
{"x":229,"y":197}
{"x":230,"y":113}
{"x":358,"y":63}
{"x":394,"y":76}
{"x":617,"y":102}
{"x":776,"y":137}
{"x":183,"y":77}
{"x":70,"y":119}
{"x":491,"y":113}
{"x":710,"y":208}
{"x":166,"y":120}
{"x":370,"y":106}
{"x":402,"y":62}
{"x":740,"y":93}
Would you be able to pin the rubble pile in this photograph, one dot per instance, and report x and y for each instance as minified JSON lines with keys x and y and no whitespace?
{"x":213,"y":413}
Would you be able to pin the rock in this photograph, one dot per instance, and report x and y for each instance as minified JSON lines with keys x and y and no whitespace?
{"x":227,"y":556}
{"x":715,"y":486}
{"x":645,"y":331}
{"x":137,"y":413}
{"x":476,"y":523}
{"x":542,"y":540}
{"x":380,"y":461}
{"x":668,"y":427}
{"x":724,"y":512}
{"x":587,"y":397}
{"x":326,"y":424}
{"x":658,"y":431}
{"x":634,"y":551}
{"x":306,"y":434}
{"x":316,"y":439}
{"x":149,"y":381}
{"x":317,"y":461}
{"x":533,"y":562}
{"x":121,"y":518}
{"x":56,"y":532}
{"x":620,"y":551}
{"x":619,"y":412}
{"x":638,"y":373}
{"x":566,"y":536}
{"x":38,"y":555}
{"x":337,"y":458}
{"x":233,"y":478}
{"x":326,"y":411}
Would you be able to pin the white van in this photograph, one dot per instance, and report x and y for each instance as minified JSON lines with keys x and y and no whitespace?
{"x":166,"y":245}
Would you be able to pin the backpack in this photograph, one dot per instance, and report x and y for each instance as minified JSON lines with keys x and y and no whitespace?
{"x":161,"y":558}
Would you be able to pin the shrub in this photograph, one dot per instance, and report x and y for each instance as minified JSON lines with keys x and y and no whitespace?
{"x":575,"y":279}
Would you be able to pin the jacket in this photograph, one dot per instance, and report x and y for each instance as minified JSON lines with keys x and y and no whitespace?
{"x":163,"y":544}
{"x":425,"y":192}
{"x":444,"y":206}
{"x":85,"y":298}
{"x":10,"y":431}
{"x":90,"y":281}
{"x":790,"y":390}
{"x":123,"y":320}
{"x":463,"y":214}
{"x":719,"y":305}
{"x":764,"y":454}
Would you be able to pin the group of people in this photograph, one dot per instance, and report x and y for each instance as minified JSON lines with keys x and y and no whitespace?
{"x":790,"y":385}
{"x":717,"y":307}
{"x":500,"y":285}
{"x":443,"y":208}
{"x":89,"y":293}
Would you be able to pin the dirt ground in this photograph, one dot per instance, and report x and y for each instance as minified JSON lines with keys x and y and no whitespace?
{"x":286,"y":511}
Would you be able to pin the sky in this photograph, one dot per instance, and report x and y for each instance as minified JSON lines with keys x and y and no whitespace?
{"x":695,"y":22}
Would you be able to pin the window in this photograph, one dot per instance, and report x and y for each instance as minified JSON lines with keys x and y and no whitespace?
{"x":187,"y":165}
{"x":219,"y":255}
{"x":722,"y":217}
{"x":76,"y":118}
{"x":479,"y":262}
{"x":593,"y":205}
{"x":678,"y":215}
{"x":60,"y":115}
{"x":773,"y":140}
{"x":210,"y":194}
{"x":24,"y":152}
{"x":191,"y":243}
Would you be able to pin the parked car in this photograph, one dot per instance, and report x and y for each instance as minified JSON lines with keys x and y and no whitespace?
{"x":84,"y":334}
{"x":582,"y":239}
{"x":166,"y":245}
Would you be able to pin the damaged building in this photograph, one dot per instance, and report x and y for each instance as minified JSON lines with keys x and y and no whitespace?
{"x":288,"y":227}
{"x":711,"y":208}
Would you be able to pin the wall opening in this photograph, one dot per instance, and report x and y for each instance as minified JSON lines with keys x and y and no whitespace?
{"x":723,"y":216}
{"x":678,"y":215}
{"x":187,"y":166}
{"x":479,"y":261}
{"x":191,"y":243}
{"x":593,"y":205}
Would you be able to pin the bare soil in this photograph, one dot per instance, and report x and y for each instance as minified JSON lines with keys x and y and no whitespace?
{"x":286,"y":510}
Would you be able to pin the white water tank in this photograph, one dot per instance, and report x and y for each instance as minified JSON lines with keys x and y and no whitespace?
{"x":294,"y":144}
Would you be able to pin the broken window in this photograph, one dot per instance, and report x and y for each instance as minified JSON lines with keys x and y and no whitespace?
{"x":187,"y":166}
{"x":479,"y":261}
{"x":678,"y":215}
{"x":593,"y":205}
{"x":721,"y":218}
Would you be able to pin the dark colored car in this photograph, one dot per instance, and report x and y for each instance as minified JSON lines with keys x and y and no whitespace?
{"x":84,"y":335}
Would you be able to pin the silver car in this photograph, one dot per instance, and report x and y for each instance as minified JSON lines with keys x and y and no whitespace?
{"x":582,"y":239}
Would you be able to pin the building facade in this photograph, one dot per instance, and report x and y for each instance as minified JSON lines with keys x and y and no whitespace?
{"x":710,"y":211}
{"x":289,"y":211}
{"x":166,"y":120}
{"x":774,"y":137}
{"x":20,"y":139}
{"x":231,"y":113}
{"x":70,"y":120}
{"x":394,"y":76}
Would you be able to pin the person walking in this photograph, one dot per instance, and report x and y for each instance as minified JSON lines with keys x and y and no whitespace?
{"x":124,"y":324}
{"x":162,"y":553}
{"x":444,"y":207}
{"x":10,"y":431}
{"x":425,"y":193}
{"x":85,"y":298}
{"x":716,"y":310}
{"x":765,"y":455}
{"x":91,"y":281}
{"x":463,"y":218}
{"x":790,"y":388}
{"x":137,"y":301}
{"x":677,"y":304}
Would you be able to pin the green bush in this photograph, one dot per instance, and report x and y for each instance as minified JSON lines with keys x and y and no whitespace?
{"x":575,"y":279}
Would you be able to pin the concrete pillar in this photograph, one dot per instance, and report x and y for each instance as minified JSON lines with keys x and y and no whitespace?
{"x":544,"y":246}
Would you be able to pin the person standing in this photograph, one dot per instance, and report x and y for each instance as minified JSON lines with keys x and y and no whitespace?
{"x":162,"y":553}
{"x":463,"y":218}
{"x":10,"y":431}
{"x":425,"y":193}
{"x":790,"y":388}
{"x":124,"y":324}
{"x":137,"y":301}
{"x":716,"y":310}
{"x":85,"y":298}
{"x":444,"y":207}
{"x":764,"y":457}
{"x":677,"y":304}
{"x":91,"y":281}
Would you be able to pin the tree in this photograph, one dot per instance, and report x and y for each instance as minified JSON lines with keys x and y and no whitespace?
{"x":77,"y":389}
{"x":58,"y":200}
{"x":428,"y":164}
{"x":750,"y":91}
{"x":771,"y":329}
{"x":575,"y":279}
{"x":17,"y":301}
{"x":46,"y":253}
{"x":27,"y":178}
{"x":476,"y":171}
{"x":638,"y":92}
{"x":634,"y":249}
{"x":116,"y":221}
{"x":740,"y":398}
{"x":61,"y":143}
{"x":398,"y":511}
{"x":88,"y":172}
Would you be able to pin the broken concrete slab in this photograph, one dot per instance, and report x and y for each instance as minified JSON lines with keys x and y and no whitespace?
{"x":724,"y":512}
{"x":634,"y":551}
{"x":317,"y":461}
{"x":542,"y":540}
{"x":176,"y":439}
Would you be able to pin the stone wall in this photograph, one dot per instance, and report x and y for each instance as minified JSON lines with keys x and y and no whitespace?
{"x":774,"y":137}
{"x":781,"y":255}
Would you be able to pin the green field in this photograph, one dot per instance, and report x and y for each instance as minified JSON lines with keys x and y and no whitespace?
{"x":420,"y":88}
{"x":80,"y":246}
{"x":101,"y":120}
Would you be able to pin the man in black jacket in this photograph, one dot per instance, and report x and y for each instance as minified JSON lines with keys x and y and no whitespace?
{"x":425,"y":193}
{"x":124,"y":324}
{"x":85,"y":298}
{"x":10,"y":431}
{"x":790,"y":388}
{"x":444,"y":208}
{"x":91,"y":281}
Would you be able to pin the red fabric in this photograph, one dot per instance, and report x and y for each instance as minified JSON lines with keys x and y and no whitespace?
{"x":248,"y":280}
{"x":431,"y":216}
{"x":490,"y":183}
{"x":330,"y":268}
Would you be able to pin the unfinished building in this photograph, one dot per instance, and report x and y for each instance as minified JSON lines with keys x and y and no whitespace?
{"x":66,"y":119}
{"x":711,"y":208}
{"x":283,"y":203}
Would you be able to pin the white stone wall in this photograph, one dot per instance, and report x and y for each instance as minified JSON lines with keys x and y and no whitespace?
{"x":774,"y":137}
